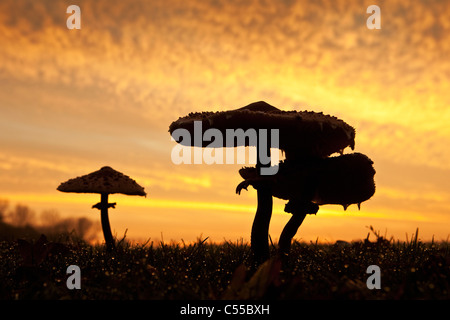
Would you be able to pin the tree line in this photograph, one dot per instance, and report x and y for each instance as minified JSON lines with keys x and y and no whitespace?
{"x":21,"y":221}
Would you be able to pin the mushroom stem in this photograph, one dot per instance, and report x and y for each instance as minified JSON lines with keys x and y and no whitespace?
{"x":105,"y":222}
{"x":299,"y":211}
{"x":259,"y":240}
{"x":289,"y":231}
{"x":260,"y":227}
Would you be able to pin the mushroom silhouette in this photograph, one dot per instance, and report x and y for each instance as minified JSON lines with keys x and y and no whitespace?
{"x":104,"y":181}
{"x":301,"y":133}
{"x":345,"y":180}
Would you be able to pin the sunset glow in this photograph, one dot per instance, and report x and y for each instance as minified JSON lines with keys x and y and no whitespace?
{"x":73,"y":101}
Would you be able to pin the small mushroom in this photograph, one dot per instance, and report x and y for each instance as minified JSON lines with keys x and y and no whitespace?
{"x":301,"y":134}
{"x":344,"y":180}
{"x":104,"y":181}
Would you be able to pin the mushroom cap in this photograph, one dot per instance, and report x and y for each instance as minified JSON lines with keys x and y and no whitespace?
{"x":105,"y":180}
{"x":307,"y":132}
{"x":344,"y":180}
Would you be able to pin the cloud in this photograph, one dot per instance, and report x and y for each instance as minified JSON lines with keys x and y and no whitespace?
{"x":107,"y":93}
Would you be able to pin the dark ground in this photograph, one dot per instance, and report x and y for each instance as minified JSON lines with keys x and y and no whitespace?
{"x":409,"y":270}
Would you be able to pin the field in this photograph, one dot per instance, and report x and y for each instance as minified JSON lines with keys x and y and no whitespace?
{"x":204,"y":271}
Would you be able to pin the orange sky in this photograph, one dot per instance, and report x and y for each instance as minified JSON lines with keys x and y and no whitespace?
{"x":72,"y":101}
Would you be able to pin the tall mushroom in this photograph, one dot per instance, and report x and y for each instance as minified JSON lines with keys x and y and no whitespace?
{"x":345,"y":180}
{"x":301,"y":134}
{"x":105,"y":181}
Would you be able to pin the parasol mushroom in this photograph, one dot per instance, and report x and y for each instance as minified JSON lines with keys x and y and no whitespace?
{"x":345,"y":180}
{"x":301,"y":134}
{"x":104,"y":181}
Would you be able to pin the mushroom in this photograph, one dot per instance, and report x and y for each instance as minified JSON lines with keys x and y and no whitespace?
{"x":301,"y":134}
{"x":104,"y":181}
{"x":345,"y":180}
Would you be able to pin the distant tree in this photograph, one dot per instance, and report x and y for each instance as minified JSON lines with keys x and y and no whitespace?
{"x":22,"y":221}
{"x":82,"y":228}
{"x":84,"y":225}
{"x":4,"y":205}
{"x":50,"y":217}
{"x":22,"y":216}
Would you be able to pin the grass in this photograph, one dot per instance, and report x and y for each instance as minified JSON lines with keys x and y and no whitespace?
{"x":202,"y":270}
